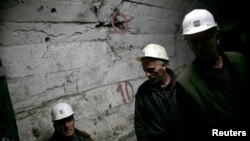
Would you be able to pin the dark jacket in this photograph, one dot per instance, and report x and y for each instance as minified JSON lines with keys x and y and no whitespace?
{"x":79,"y":136}
{"x":156,"y":114}
{"x":215,"y":98}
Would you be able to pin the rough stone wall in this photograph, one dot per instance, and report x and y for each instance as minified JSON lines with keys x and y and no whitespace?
{"x":74,"y":51}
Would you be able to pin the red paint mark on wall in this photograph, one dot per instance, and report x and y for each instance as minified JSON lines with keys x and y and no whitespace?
{"x":126,"y":90}
{"x":114,"y":20}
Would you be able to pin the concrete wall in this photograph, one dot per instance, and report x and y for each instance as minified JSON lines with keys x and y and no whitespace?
{"x":67,"y":50}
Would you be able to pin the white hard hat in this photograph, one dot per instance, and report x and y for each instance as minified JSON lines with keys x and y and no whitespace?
{"x":197,"y":21}
{"x":154,"y":51}
{"x":61,"y":111}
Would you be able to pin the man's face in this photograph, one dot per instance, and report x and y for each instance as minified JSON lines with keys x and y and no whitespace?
{"x":204,"y":45}
{"x":65,"y":127}
{"x":154,"y":69}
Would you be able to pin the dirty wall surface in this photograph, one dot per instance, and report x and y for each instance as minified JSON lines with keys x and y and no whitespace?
{"x":82,"y":52}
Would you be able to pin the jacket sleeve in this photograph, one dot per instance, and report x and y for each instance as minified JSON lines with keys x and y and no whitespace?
{"x":190,"y":118}
{"x":140,"y":120}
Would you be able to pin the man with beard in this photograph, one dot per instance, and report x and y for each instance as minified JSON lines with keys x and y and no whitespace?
{"x":64,"y":124}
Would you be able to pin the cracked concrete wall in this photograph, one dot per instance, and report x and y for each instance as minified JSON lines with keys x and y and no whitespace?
{"x":68,"y":50}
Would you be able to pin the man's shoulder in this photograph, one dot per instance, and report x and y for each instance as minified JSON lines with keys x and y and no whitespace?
{"x":233,"y":53}
{"x":145,"y":84}
{"x":186,"y":72}
{"x":143,"y":87}
{"x":234,"y":56}
{"x":84,"y":134}
{"x":237,"y":60}
{"x":53,"y":137}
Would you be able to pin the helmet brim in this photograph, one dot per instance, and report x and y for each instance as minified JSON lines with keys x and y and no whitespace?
{"x":199,"y":29}
{"x":141,"y":57}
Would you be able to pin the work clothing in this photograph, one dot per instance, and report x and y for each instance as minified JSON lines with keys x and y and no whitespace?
{"x":79,"y":136}
{"x":215,"y":98}
{"x":156,"y":113}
